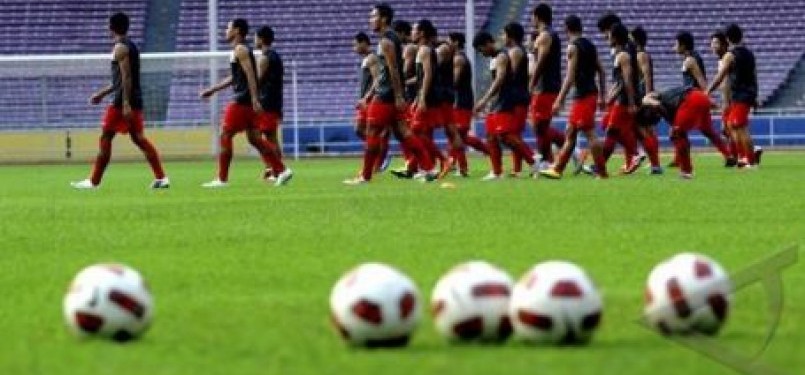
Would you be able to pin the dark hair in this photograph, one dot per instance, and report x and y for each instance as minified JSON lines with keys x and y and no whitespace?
{"x":426,"y":27}
{"x":361,"y":37}
{"x":685,"y":39}
{"x":573,"y":24}
{"x":734,"y":33}
{"x":241,"y":25}
{"x":544,"y":13}
{"x":640,"y":37}
{"x":607,"y":21}
{"x":401,"y":27}
{"x":646,"y":116}
{"x":515,"y":31}
{"x":119,"y":23}
{"x":266,"y":33}
{"x":385,"y":11}
{"x":482,"y":38}
{"x":718,"y":34}
{"x":458,"y":38}
{"x":619,"y":34}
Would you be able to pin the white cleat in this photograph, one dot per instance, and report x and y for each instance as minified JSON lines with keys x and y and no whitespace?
{"x":84,"y":185}
{"x":284,"y":177}
{"x":491,"y":177}
{"x":357,"y":181}
{"x":215,"y":184}
{"x":161,"y":183}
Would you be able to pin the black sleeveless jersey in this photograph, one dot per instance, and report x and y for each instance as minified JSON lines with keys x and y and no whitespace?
{"x":743,"y":76}
{"x":464,"y":97}
{"x":617,"y":75}
{"x":642,"y":90}
{"x":688,"y":80}
{"x":270,"y":87}
{"x":586,"y":68}
{"x":550,"y":81}
{"x":503,"y":101}
{"x":446,"y":88}
{"x":136,"y":100}
{"x":365,"y":77}
{"x":240,"y":84}
{"x":519,"y":80}
{"x":385,"y":90}
{"x":432,"y":95}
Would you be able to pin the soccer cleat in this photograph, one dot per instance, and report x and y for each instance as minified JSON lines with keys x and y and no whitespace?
{"x":656,"y":171}
{"x":83,"y":185}
{"x":640,"y":159}
{"x":403,"y":173}
{"x":284,"y":177}
{"x":686,"y":176}
{"x":551,"y":173}
{"x":758,"y":154}
{"x":268,"y":175}
{"x":730,"y":163}
{"x":215,"y":184}
{"x":427,"y":176}
{"x":587,"y":169}
{"x":357,"y":181}
{"x":463,"y":174}
{"x":161,"y":183}
{"x":633,"y":166}
{"x":513,"y":174}
{"x":491,"y":177}
{"x":673,"y":164}
{"x":447,"y":166}
{"x":385,"y":164}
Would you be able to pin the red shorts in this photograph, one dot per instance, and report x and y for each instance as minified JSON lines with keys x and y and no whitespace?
{"x":447,"y":114}
{"x":424,"y":120}
{"x":499,"y":123}
{"x":738,"y":115}
{"x":361,"y":116}
{"x":381,"y":115}
{"x":519,"y":118}
{"x":462,"y":118}
{"x":582,"y":112}
{"x":618,"y":115}
{"x":694,"y":112}
{"x":113,"y":121}
{"x":238,"y":118}
{"x":268,"y":121}
{"x":542,"y":106}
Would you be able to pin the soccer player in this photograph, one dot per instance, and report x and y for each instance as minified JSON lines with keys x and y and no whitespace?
{"x":125,"y":115}
{"x":499,"y":102}
{"x":646,"y":134}
{"x":545,"y":82}
{"x":584,"y":71}
{"x":387,"y":107}
{"x":463,"y":103}
{"x":446,"y":90}
{"x":694,"y":76}
{"x":241,"y":113}
{"x":739,"y":64}
{"x":368,"y":72}
{"x":513,"y":35}
{"x":686,"y":108}
{"x":270,"y":73}
{"x":426,"y":110}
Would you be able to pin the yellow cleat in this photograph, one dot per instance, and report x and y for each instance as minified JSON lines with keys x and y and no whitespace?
{"x":551,"y":173}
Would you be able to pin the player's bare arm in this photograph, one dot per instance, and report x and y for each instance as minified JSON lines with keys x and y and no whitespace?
{"x":424,"y":55}
{"x":543,"y":47}
{"x":459,"y":63}
{"x":501,"y":66}
{"x":626,"y":69}
{"x":224,"y":83}
{"x":387,"y":46}
{"x":726,"y":64}
{"x":122,"y":58}
{"x":372,"y":63}
{"x":602,"y":83}
{"x":644,"y":61}
{"x":570,"y":79}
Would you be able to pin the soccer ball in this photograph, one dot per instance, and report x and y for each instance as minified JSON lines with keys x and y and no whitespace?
{"x":689,"y":293}
{"x":110,"y":301}
{"x":375,"y":305}
{"x":471,"y":302}
{"x":555,"y":303}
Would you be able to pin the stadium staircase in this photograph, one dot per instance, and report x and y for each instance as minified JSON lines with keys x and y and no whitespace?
{"x":792,"y":93}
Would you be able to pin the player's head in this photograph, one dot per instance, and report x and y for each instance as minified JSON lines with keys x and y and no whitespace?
{"x":381,"y":17}
{"x":618,"y":35}
{"x":648,"y":115}
{"x":513,"y":34}
{"x":606,"y":22}
{"x":734,"y":34}
{"x":237,"y":29}
{"x":403,"y":30}
{"x":360,"y":44}
{"x":573,"y":25}
{"x":457,"y":40}
{"x":424,"y":32}
{"x":718,"y":43}
{"x":639,"y":37}
{"x":119,"y":23}
{"x":542,"y":15}
{"x":264,"y":37}
{"x":684,"y":42}
{"x":484,"y":43}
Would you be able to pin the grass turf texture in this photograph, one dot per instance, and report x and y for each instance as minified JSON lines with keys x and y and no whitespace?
{"x":241,"y":276}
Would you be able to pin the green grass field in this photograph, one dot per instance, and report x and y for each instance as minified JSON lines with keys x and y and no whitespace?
{"x":242,"y":276}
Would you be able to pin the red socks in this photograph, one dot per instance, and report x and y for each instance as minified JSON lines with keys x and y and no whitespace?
{"x":418,"y":150}
{"x":682,"y":145}
{"x":101,"y":161}
{"x":370,"y":155}
{"x":652,"y":146}
{"x":224,"y":159}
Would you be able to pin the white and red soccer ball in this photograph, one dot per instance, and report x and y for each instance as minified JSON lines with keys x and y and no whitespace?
{"x":555,"y":303}
{"x":471,"y":303}
{"x":375,"y":305}
{"x":689,"y":293}
{"x":110,"y":301}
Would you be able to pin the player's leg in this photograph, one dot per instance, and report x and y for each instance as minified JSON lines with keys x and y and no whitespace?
{"x":383,"y":161}
{"x":495,"y":157}
{"x":235,"y":120}
{"x":380,"y":117}
{"x":415,"y":146}
{"x":682,"y":145}
{"x":651,"y":144}
{"x":112,"y":123}
{"x":270,"y":155}
{"x":151,"y":154}
{"x":569,"y":146}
